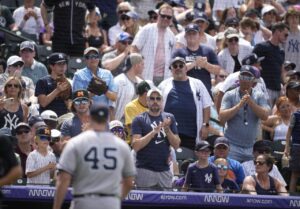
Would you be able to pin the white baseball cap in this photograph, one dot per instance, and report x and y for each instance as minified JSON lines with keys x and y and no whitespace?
{"x":115,"y":123}
{"x":267,"y":9}
{"x":49,"y":115}
{"x":13,"y":60}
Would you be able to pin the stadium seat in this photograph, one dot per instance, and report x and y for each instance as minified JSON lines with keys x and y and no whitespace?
{"x":43,"y":52}
{"x":278,"y":149}
{"x":75,"y":63}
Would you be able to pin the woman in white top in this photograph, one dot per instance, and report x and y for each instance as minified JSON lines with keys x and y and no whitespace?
{"x":278,"y":123}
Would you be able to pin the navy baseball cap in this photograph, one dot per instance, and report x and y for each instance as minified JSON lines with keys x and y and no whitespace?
{"x":202,"y":145}
{"x":252,"y":59}
{"x":22,"y":125}
{"x":232,"y":22}
{"x":36,"y":120}
{"x":200,"y":16}
{"x":293,"y":85}
{"x":289,"y":64}
{"x":43,"y":131}
{"x":253,"y":71}
{"x":57,"y":57}
{"x":221,"y":140}
{"x":178,"y":59}
{"x":192,"y":27}
{"x":80,"y":94}
{"x":99,"y":112}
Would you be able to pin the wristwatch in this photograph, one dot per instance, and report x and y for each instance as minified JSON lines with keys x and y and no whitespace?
{"x":205,"y":124}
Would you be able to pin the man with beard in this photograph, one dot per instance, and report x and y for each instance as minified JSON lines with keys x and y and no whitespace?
{"x":80,"y":107}
{"x":153,"y":133}
{"x":47,"y":89}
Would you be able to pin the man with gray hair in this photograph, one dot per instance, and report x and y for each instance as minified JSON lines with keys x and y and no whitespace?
{"x":126,"y":83}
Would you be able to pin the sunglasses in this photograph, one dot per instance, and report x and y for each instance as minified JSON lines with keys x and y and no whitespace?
{"x":259,"y":162}
{"x":221,"y":147}
{"x":44,"y":138}
{"x":22,"y":131}
{"x":27,"y":50}
{"x":92,"y":56}
{"x":12,"y":85}
{"x":223,"y":167}
{"x":126,"y":42}
{"x":233,"y":40}
{"x":246,"y":78}
{"x":125,"y":18}
{"x":154,"y":17}
{"x":17,"y":65}
{"x":155,"y":98}
{"x":166,"y":16}
{"x":286,"y":35}
{"x":175,"y":66}
{"x":54,"y":140}
{"x":222,"y":76}
{"x":123,"y":11}
{"x":81,"y":101}
{"x":271,"y":13}
{"x":118,"y":130}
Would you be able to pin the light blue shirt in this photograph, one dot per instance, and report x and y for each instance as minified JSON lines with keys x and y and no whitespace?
{"x":36,"y":71}
{"x":83,"y":77}
{"x":236,"y":130}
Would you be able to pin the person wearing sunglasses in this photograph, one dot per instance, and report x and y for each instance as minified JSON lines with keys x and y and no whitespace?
{"x":235,"y":170}
{"x":228,"y":185}
{"x":48,"y":88}
{"x":80,"y":108}
{"x":272,"y":65}
{"x":242,"y":109}
{"x":14,"y":68}
{"x":113,"y":31}
{"x":83,"y":77}
{"x":261,"y":182}
{"x":12,"y":109}
{"x":232,"y":81}
{"x":201,"y":60}
{"x":41,"y":163}
{"x":131,"y":23}
{"x":114,"y":61}
{"x":233,"y":52}
{"x":153,"y":15}
{"x":24,"y":146}
{"x":262,"y":147}
{"x":189,"y":101}
{"x":153,"y":132}
{"x":156,"y":51}
{"x":117,"y":128}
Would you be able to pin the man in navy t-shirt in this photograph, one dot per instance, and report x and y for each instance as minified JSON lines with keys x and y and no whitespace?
{"x":153,"y":132}
{"x":201,"y":60}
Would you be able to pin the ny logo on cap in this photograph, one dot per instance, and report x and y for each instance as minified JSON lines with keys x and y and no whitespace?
{"x":80,"y":94}
{"x":60,"y":56}
{"x":47,"y":131}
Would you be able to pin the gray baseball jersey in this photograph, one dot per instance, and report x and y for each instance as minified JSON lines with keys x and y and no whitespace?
{"x":97,"y":162}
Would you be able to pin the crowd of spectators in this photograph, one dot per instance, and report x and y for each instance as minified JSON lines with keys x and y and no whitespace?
{"x":217,"y":78}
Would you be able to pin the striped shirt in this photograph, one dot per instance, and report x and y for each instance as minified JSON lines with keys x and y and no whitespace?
{"x":35,"y":161}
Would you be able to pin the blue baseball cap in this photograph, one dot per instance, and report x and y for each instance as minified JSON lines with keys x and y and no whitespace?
{"x":200,"y":16}
{"x":131,"y":14}
{"x":192,"y":27}
{"x":124,"y":37}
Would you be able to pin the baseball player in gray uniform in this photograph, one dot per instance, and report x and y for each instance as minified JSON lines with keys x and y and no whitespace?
{"x":99,"y":165}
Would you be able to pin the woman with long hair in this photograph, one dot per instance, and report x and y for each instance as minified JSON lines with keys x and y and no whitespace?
{"x":12,"y":109}
{"x":278,"y":123}
{"x":130,"y":23}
